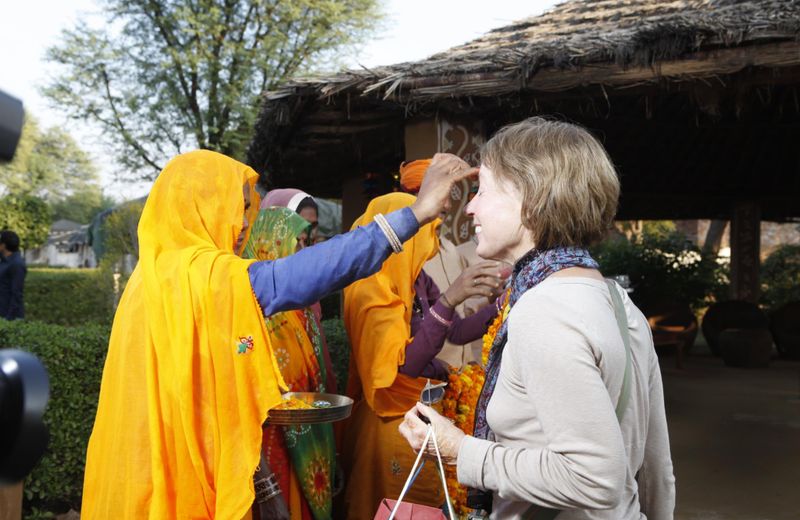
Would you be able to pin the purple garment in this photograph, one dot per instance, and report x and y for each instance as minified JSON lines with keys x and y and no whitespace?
{"x":429,"y":334}
{"x":285,"y":198}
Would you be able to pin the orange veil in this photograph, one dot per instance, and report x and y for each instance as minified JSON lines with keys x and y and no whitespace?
{"x":190,"y":373}
{"x":377,"y":315}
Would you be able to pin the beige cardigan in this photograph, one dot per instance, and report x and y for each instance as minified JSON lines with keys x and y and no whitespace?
{"x":558,"y":443}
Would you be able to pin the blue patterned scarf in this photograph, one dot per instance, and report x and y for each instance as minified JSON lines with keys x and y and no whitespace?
{"x":529,"y":271}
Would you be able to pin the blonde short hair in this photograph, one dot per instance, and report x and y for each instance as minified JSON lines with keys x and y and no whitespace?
{"x":568,"y":185}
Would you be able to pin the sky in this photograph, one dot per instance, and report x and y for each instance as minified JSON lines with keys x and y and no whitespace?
{"x":411,"y":30}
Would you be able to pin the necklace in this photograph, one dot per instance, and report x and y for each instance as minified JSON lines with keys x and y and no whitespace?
{"x":460,"y":398}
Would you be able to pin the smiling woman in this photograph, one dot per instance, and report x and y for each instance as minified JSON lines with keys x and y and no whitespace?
{"x":571,"y":414}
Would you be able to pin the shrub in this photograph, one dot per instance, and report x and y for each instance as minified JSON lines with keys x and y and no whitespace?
{"x":339,"y":348}
{"x":28,"y":216}
{"x":780,"y":277}
{"x":69,"y":296}
{"x":662,"y":266}
{"x":74,"y":358}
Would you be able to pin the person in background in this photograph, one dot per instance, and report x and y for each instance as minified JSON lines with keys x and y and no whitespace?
{"x":473,"y":351}
{"x":571,"y":419}
{"x":397,"y":321}
{"x":302,"y":458}
{"x":12,"y":277}
{"x":190,"y":373}
{"x":444,"y":268}
{"x":301,"y":203}
{"x":306,"y":207}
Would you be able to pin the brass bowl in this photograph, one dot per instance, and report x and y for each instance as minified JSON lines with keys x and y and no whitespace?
{"x":339,"y":409}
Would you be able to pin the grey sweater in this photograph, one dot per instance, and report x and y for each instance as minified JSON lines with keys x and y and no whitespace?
{"x":557,"y":442}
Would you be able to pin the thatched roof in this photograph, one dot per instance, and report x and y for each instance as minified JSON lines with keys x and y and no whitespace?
{"x":573,"y":35}
{"x":707,"y":76}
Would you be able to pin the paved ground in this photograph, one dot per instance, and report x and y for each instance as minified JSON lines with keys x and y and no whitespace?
{"x":735,"y":437}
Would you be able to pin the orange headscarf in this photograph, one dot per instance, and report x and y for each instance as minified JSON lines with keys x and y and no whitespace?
{"x":411,"y":174}
{"x":190,"y":373}
{"x":377,"y":315}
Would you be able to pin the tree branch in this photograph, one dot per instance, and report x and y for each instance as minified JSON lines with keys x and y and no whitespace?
{"x":174,"y":45}
{"x":129,"y":140}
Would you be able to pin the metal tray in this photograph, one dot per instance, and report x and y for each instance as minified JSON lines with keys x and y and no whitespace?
{"x":339,"y":409}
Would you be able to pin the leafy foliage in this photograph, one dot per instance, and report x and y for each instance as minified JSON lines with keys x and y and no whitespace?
{"x":51,"y":166}
{"x":120,"y":231}
{"x":339,"y":348}
{"x":69,"y":296}
{"x":780,"y":276}
{"x":662,"y":266}
{"x":164,"y":76}
{"x":81,"y":206}
{"x":74,"y":358}
{"x":28,"y":216}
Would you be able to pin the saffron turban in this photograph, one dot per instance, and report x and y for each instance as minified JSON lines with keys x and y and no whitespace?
{"x":411,"y":174}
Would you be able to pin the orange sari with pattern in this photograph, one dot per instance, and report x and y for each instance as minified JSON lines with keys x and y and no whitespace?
{"x":302,"y":457}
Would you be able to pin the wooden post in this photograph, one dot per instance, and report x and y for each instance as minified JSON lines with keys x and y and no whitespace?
{"x":745,"y":251}
{"x":11,"y":502}
{"x":354,"y":202}
{"x":421,"y":140}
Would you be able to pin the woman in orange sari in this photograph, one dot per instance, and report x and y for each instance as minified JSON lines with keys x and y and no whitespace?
{"x":190,"y":373}
{"x":397,"y":322}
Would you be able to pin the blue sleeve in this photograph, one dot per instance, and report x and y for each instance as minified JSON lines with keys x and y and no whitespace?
{"x":303,"y":278}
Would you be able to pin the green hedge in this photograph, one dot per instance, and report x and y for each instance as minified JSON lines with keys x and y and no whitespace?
{"x":780,"y":277}
{"x":69,"y":296}
{"x":74,"y":358}
{"x":339,"y":348}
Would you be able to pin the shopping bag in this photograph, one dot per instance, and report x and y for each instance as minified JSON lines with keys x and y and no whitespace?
{"x":398,"y":510}
{"x":407,"y":511}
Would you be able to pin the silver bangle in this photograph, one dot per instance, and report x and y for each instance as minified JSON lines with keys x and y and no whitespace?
{"x":391,"y":236}
{"x":266,"y":488}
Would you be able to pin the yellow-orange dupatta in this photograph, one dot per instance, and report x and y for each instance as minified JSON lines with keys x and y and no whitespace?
{"x":377,"y":315}
{"x":190,"y":373}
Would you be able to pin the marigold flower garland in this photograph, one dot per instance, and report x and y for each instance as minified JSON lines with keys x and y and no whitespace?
{"x":460,"y":398}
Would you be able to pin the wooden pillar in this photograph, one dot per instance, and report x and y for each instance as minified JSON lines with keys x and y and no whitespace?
{"x":745,"y":251}
{"x":11,"y":502}
{"x":451,"y":134}
{"x":354,"y":201}
{"x":421,"y":140}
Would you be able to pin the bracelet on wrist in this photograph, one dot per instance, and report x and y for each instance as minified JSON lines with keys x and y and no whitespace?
{"x":438,"y":318}
{"x":391,"y":236}
{"x":446,"y":301}
{"x":266,"y":488}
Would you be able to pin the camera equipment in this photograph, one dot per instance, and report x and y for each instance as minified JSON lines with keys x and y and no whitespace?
{"x":24,"y":386}
{"x":11,"y":116}
{"x":24,"y":391}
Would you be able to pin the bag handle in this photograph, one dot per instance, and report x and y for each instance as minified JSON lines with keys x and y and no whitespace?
{"x":622,"y":323}
{"x":429,"y":436}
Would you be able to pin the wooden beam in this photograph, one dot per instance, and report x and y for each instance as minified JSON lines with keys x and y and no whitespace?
{"x":716,"y":62}
{"x":339,"y":129}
